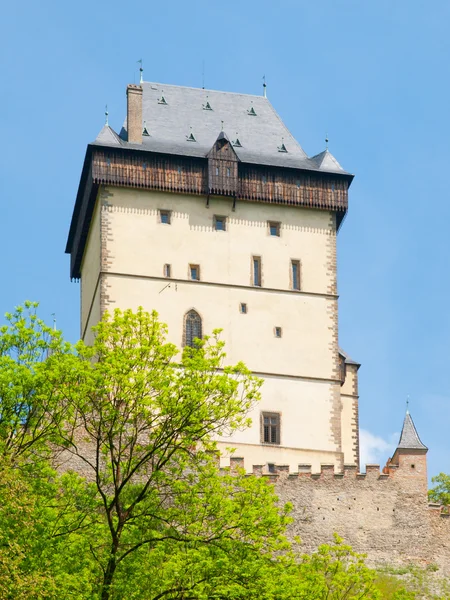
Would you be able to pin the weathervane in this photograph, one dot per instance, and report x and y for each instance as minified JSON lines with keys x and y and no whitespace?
{"x":326,"y":141}
{"x":264,"y":87}
{"x":106,"y":115}
{"x":141,"y":71}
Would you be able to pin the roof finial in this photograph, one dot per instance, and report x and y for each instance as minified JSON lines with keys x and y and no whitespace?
{"x":221,"y":125}
{"x":141,"y":71}
{"x":106,"y":115}
{"x":264,"y":87}
{"x":326,"y":141}
{"x":54,"y":321}
{"x":407,"y":404}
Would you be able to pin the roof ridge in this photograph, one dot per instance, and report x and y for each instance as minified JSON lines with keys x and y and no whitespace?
{"x":190,"y":87}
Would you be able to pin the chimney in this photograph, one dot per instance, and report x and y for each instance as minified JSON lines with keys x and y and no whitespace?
{"x":134,"y":113}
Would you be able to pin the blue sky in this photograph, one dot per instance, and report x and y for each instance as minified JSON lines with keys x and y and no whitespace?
{"x":373,"y":74}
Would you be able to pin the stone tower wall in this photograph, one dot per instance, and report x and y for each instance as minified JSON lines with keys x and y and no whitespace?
{"x":385,"y":515}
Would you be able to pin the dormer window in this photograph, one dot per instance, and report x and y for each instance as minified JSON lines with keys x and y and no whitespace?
{"x":207,"y":106}
{"x":251,"y":111}
{"x":162,"y":100}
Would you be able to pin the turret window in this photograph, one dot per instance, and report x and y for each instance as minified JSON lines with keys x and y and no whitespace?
{"x":192,"y":328}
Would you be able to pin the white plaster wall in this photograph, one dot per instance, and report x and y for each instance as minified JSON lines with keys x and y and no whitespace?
{"x":93,"y":319}
{"x":263,"y":455}
{"x":297,"y":368}
{"x":90,"y":267}
{"x":142,"y":245}
{"x":307,"y":327}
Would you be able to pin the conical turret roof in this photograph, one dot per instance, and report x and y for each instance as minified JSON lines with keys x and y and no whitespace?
{"x":409,"y":438}
{"x":108,"y":136}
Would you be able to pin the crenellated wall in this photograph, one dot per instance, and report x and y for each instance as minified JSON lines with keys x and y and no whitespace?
{"x":384,"y":514}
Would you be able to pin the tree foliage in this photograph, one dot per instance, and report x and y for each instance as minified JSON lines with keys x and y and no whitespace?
{"x":440,"y":493}
{"x":110,"y":486}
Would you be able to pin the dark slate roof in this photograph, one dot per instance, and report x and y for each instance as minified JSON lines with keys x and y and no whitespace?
{"x":409,"y":438}
{"x":325,"y":161}
{"x":264,"y":138}
{"x":348,"y":360}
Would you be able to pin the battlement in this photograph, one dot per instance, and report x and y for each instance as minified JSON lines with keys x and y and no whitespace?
{"x":414,"y":467}
{"x":382,"y":512}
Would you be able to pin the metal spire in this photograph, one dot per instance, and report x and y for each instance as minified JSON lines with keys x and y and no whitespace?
{"x":141,"y":71}
{"x":326,"y":141}
{"x":264,"y":87}
{"x":106,"y":115}
{"x":407,"y":404}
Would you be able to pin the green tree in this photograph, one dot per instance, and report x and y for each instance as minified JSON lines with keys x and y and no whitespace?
{"x":440,"y":493}
{"x":141,"y":421}
{"x":336,"y":572}
{"x":29,"y":411}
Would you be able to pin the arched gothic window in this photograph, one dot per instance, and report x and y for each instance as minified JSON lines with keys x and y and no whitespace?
{"x":192,"y":328}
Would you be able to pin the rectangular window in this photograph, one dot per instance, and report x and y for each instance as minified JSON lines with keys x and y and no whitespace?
{"x":274,"y":228}
{"x":295,"y":274}
{"x":164,"y":217}
{"x":194,"y":272}
{"x":257,"y":271}
{"x":220,"y":223}
{"x":167,"y":270}
{"x":270,"y":433}
{"x":278,"y":332}
{"x":243,"y":308}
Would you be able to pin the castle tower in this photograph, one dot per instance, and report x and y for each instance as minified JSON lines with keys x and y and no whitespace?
{"x":410,"y":458}
{"x":206,"y":209}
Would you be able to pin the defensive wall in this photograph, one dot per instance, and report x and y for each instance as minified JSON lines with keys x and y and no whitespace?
{"x":383,"y":514}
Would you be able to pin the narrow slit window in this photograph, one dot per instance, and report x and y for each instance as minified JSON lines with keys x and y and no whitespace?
{"x":295,"y":274}
{"x":228,"y":171}
{"x":167,"y":270}
{"x":270,"y":428}
{"x":257,"y":271}
{"x":165,"y":217}
{"x":278,"y":332}
{"x":194,"y":272}
{"x":274,"y":228}
{"x":220,"y":223}
{"x":243,"y":308}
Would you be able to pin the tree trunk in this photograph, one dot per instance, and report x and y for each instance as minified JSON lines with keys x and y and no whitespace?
{"x":109,"y":575}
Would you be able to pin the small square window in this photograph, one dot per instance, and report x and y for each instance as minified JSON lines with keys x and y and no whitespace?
{"x":243,"y":308}
{"x":165,"y":217}
{"x":271,"y":467}
{"x":194,"y":272}
{"x":278,"y":332}
{"x":270,"y":428}
{"x":274,"y":228}
{"x":167,"y":270}
{"x":220,"y":223}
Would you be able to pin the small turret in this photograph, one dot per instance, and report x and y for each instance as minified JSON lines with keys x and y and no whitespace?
{"x":409,"y":460}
